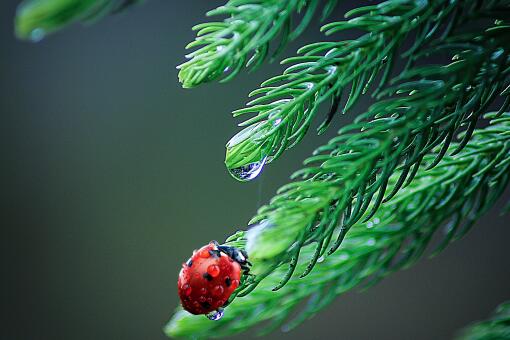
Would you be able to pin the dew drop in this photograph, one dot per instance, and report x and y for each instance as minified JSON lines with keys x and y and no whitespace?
{"x":216,"y":315}
{"x":217,"y":291}
{"x":213,"y":270}
{"x":330,"y":52}
{"x":370,"y":224}
{"x":187,"y":289}
{"x":204,"y":253}
{"x":248,"y":172}
{"x":377,"y":220}
{"x":370,"y":242}
{"x":37,"y":34}
{"x":320,"y":259}
{"x":343,"y":257}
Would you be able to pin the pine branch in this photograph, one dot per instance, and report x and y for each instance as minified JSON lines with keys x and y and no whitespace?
{"x":497,"y":327}
{"x":35,"y":19}
{"x":243,"y":38}
{"x":286,"y":105}
{"x":453,"y":194}
{"x":347,"y":179}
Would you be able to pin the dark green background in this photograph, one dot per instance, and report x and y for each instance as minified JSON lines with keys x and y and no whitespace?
{"x":112,"y":174}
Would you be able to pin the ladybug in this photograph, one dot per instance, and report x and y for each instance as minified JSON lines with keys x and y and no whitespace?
{"x":209,"y":277}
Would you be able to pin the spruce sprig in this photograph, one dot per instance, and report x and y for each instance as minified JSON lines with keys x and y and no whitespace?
{"x":494,"y":328}
{"x":287,"y":104}
{"x":35,"y":19}
{"x":453,"y":195}
{"x":347,"y":179}
{"x":243,"y":38}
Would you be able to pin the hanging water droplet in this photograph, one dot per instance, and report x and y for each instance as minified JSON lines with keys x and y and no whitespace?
{"x":248,"y":172}
{"x":37,"y":34}
{"x":216,"y":315}
{"x":320,"y":259}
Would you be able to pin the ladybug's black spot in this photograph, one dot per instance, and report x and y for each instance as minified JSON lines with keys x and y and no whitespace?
{"x":206,"y":305}
{"x":228,"y":282}
{"x":215,"y":253}
{"x":189,"y":263}
{"x":207,"y":276}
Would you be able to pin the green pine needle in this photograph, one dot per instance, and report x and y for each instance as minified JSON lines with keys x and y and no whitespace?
{"x":243,"y":38}
{"x":453,"y":194}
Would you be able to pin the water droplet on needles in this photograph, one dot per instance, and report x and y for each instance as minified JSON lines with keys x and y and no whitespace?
{"x":37,"y":34}
{"x":248,"y":172}
{"x":216,"y":315}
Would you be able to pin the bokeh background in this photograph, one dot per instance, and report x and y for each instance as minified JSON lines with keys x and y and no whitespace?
{"x":112,"y":174}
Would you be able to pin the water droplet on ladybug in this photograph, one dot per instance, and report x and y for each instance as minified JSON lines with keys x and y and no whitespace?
{"x":187,"y":289}
{"x":204,"y":253}
{"x":213,"y":270}
{"x":203,"y":291}
{"x":235,"y":283}
{"x":216,"y":315}
{"x":217,"y":291}
{"x":248,"y":172}
{"x":202,"y":298}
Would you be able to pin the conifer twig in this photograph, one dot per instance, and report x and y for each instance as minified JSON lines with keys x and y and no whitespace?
{"x":452,"y":195}
{"x":347,"y":179}
{"x":243,"y":38}
{"x":495,"y":328}
{"x":286,"y":105}
{"x":35,"y":19}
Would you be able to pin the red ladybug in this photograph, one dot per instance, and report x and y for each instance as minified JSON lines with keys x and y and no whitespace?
{"x":209,"y":277}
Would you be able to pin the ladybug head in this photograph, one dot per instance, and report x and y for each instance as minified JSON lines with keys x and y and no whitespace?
{"x":238,"y":255}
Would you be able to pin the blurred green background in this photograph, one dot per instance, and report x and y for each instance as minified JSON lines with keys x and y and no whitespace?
{"x":112,"y":174}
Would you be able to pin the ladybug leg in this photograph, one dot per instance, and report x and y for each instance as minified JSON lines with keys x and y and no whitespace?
{"x":245,"y":268}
